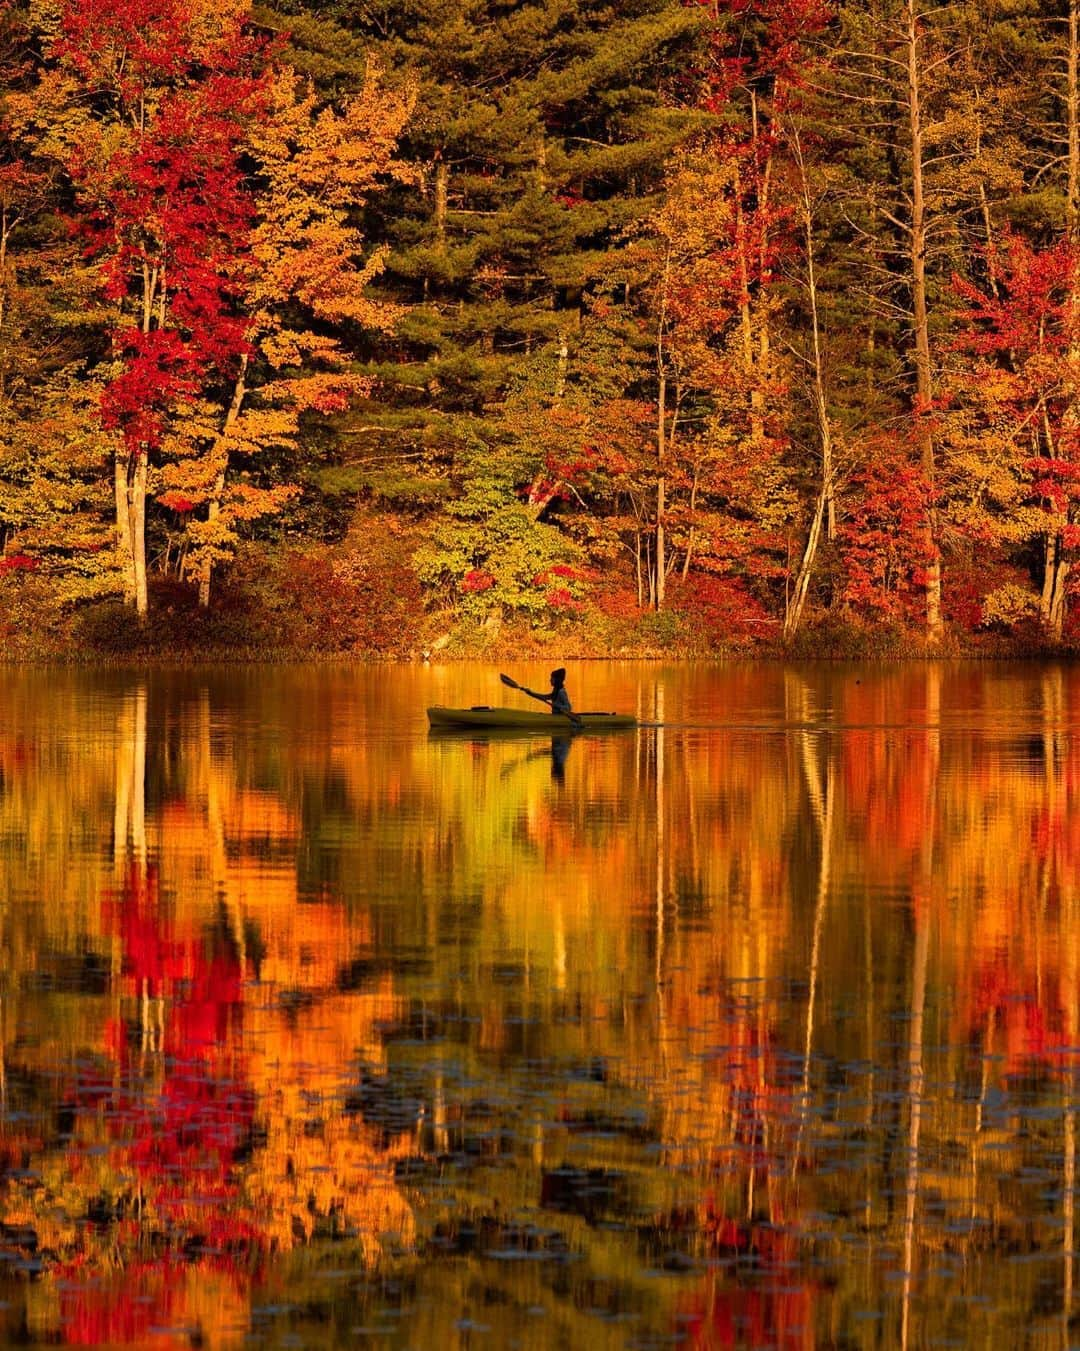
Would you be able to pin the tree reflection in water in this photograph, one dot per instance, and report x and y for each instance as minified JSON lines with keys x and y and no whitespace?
{"x":761,"y":1033}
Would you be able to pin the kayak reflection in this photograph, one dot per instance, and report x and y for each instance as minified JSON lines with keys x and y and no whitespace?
{"x":559,"y":749}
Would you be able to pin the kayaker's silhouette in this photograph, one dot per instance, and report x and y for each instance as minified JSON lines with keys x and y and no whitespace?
{"x":559,"y":698}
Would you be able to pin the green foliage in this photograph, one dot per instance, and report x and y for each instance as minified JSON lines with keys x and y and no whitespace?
{"x":493,"y":556}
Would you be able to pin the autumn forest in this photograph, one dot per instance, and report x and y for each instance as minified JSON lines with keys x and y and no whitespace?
{"x":443,"y":325}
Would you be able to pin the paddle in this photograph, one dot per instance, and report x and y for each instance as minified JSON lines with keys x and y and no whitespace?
{"x":508,"y":680}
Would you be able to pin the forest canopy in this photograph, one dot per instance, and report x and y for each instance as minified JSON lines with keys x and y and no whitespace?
{"x":555,"y":325}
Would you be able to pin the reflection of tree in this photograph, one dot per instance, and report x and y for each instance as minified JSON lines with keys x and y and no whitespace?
{"x":208,"y":1123}
{"x":724,"y":1314}
{"x":821,"y":791}
{"x":922,"y":892}
{"x":129,"y":818}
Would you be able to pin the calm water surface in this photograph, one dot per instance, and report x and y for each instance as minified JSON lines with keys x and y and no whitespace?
{"x":758,"y":1029}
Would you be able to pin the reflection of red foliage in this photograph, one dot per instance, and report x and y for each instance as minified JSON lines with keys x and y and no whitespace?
{"x":96,"y":1313}
{"x":776,"y":1315}
{"x":184,"y":1141}
{"x":151,"y":954}
{"x":1010,"y":997}
{"x":147,"y":1297}
{"x":775,"y":1311}
{"x":886,"y":790}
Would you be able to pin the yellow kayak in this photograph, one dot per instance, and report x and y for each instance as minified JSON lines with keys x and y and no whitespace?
{"x":526,"y":720}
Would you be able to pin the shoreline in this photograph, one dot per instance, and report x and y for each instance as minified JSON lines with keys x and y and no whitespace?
{"x":242,"y":658}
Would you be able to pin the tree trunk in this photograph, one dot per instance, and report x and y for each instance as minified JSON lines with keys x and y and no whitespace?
{"x":442,"y":185}
{"x":659,"y":591}
{"x":825,"y":509}
{"x":131,"y":470}
{"x":214,"y":508}
{"x":564,"y":358}
{"x":638,"y":572}
{"x":1055,"y":615}
{"x":923,"y":367}
{"x":746,"y":326}
{"x":129,"y":492}
{"x":121,"y":470}
{"x":794,"y":612}
{"x":137,"y":518}
{"x":764,"y":338}
{"x":7,"y":224}
{"x":1055,"y":575}
{"x":137,"y":511}
{"x":661,"y":490}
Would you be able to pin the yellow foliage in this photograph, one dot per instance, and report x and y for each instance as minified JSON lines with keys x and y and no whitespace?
{"x":316,"y":166}
{"x":1009,"y":603}
{"x":54,"y":494}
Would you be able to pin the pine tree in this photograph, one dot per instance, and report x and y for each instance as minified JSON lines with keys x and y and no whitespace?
{"x":540,"y":136}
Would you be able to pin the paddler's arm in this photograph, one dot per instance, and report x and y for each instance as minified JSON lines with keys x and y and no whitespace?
{"x":544,"y":698}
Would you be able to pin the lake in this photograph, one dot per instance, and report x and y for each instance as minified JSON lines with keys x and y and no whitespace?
{"x":757,"y":1027}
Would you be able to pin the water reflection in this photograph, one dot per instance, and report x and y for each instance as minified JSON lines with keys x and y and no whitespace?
{"x":755,"y":1027}
{"x":531,"y":746}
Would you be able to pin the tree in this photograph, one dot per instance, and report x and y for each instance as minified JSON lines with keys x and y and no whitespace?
{"x":56,"y":503}
{"x":232,"y":296}
{"x":898,"y":69}
{"x":54,"y":507}
{"x":1013,"y":423}
{"x":306,"y":292}
{"x":540,"y":135}
{"x":154,"y":164}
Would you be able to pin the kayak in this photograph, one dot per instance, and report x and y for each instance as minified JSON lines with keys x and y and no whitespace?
{"x":526,"y":720}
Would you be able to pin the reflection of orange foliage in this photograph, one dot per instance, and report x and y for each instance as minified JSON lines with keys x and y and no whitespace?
{"x":652,"y":915}
{"x":239,"y":842}
{"x":252,"y":817}
{"x":305,"y":944}
{"x":208,"y":1062}
{"x":723,"y":1101}
{"x":317,"y":1164}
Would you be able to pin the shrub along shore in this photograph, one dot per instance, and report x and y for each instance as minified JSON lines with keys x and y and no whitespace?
{"x":299,"y":609}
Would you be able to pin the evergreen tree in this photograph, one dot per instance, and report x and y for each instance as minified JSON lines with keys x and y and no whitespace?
{"x":540,"y":137}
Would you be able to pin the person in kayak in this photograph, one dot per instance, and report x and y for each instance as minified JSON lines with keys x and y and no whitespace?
{"x":559,"y":699}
